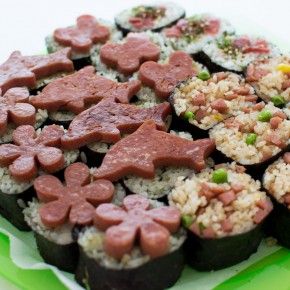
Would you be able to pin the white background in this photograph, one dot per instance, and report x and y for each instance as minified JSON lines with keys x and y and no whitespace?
{"x":25,"y":23}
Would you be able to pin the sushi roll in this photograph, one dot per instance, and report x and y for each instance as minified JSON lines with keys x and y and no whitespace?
{"x":148,"y":17}
{"x":136,"y":262}
{"x":16,"y":111}
{"x":60,"y":208}
{"x":271,"y":80}
{"x":235,"y":52}
{"x":253,"y":139}
{"x":16,"y":183}
{"x":84,"y":38}
{"x":34,"y":72}
{"x":192,"y":33}
{"x":223,"y":210}
{"x":114,"y":60}
{"x":66,"y":97}
{"x":205,"y":100}
{"x":165,"y":177}
{"x":159,"y":79}
{"x":276,"y":181}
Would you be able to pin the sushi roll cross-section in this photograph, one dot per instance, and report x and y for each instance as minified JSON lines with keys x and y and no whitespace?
{"x":148,"y":17}
{"x":60,"y":208}
{"x":271,"y":80}
{"x":192,"y":33}
{"x":235,"y":52}
{"x":223,"y":209}
{"x":206,"y":100}
{"x":255,"y":137}
{"x":130,"y":245}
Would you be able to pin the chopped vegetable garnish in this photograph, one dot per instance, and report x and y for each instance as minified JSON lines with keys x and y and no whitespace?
{"x":278,"y":101}
{"x":204,"y":75}
{"x":284,"y":67}
{"x":220,"y":176}
{"x":265,"y":116}
{"x":251,"y":138}
{"x":186,"y":220}
{"x":189,"y":115}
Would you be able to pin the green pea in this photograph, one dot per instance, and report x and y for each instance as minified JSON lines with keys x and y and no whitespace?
{"x":186,"y":220}
{"x":278,"y":101}
{"x":189,"y":115}
{"x":220,"y":176}
{"x":265,"y":116}
{"x":204,"y":75}
{"x":251,"y":139}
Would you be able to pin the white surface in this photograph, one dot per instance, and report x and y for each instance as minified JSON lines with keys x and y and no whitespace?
{"x":25,"y":23}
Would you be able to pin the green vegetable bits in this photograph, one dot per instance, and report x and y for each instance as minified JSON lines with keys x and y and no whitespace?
{"x":204,"y":75}
{"x":186,"y":220}
{"x":278,"y":101}
{"x":251,"y":139}
{"x":220,"y":176}
{"x":264,"y":116}
{"x":189,"y":115}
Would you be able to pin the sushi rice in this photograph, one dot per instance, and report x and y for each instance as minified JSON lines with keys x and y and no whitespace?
{"x":211,"y":213}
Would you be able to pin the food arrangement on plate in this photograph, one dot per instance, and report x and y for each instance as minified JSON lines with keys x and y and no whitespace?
{"x":134,"y":148}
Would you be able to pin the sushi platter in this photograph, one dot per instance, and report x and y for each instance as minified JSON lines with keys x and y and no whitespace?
{"x":151,"y":152}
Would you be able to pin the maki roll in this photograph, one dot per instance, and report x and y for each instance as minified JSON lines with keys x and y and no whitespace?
{"x":125,"y":250}
{"x":164,"y":179}
{"x":68,"y":96}
{"x":16,"y":111}
{"x":120,"y":60}
{"x":29,"y":148}
{"x":223,"y":210}
{"x":206,"y":100}
{"x":276,"y":181}
{"x":34,"y":71}
{"x":192,"y":33}
{"x":253,"y":139}
{"x":148,"y":17}
{"x":60,"y":208}
{"x":83,"y":38}
{"x":159,"y":79}
{"x":235,"y":52}
{"x":271,"y":80}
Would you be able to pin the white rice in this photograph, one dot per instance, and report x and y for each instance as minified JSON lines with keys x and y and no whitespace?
{"x":102,"y":69}
{"x":277,"y":180}
{"x":236,"y":62}
{"x":231,"y":142}
{"x":61,"y":235}
{"x":53,"y":46}
{"x":212,"y":90}
{"x":172,"y":13}
{"x":41,"y":116}
{"x":61,"y":116}
{"x":195,"y":45}
{"x":46,"y":80}
{"x":185,"y":196}
{"x":270,"y":85}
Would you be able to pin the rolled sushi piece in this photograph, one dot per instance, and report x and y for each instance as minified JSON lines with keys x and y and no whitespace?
{"x":146,"y":97}
{"x":15,"y":195}
{"x":106,"y":264}
{"x":235,"y":52}
{"x":153,"y":17}
{"x":192,"y":33}
{"x":271,"y":80}
{"x":205,"y":100}
{"x":54,"y":234}
{"x":276,"y":181}
{"x":164,"y":180}
{"x":84,"y":33}
{"x":154,"y":37}
{"x":223,"y":210}
{"x":253,"y":139}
